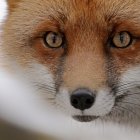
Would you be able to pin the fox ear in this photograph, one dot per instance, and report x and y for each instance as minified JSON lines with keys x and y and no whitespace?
{"x":12,"y":4}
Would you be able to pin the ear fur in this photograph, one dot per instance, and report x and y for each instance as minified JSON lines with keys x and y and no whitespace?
{"x":12,"y":4}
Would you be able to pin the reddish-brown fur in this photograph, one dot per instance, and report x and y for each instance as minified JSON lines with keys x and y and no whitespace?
{"x":87,"y":24}
{"x":87,"y":27}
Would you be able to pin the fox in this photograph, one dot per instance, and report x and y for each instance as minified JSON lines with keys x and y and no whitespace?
{"x":81,"y":56}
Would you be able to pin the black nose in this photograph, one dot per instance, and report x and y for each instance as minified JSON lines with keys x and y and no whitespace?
{"x":82,"y":99}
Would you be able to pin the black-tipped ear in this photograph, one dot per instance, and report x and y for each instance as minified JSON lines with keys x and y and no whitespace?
{"x":12,"y":4}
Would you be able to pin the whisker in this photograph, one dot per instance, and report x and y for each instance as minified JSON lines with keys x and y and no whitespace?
{"x":136,"y":93}
{"x":41,"y":86}
{"x":51,"y":98}
{"x":128,"y":85}
{"x":45,"y":88}
{"x":129,"y":103}
{"x":117,"y":108}
{"x":131,"y":97}
{"x":129,"y":110}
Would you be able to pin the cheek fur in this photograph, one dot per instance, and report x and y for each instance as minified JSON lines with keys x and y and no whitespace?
{"x":127,"y":57}
{"x":48,"y":57}
{"x":41,"y":79}
{"x":130,"y":80}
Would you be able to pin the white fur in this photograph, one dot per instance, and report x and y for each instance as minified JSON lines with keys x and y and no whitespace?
{"x":19,"y":105}
{"x":131,"y":76}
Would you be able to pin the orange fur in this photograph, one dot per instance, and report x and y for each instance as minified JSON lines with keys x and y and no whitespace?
{"x":88,"y":60}
{"x":12,"y":4}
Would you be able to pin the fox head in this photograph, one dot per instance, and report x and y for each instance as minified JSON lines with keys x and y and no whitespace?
{"x":81,"y":56}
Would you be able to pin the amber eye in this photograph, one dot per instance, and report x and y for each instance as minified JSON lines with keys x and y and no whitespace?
{"x":53,"y":39}
{"x":122,"y":40}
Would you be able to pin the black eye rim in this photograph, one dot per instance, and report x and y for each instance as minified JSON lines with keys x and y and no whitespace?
{"x":56,"y":33}
{"x":114,"y":46}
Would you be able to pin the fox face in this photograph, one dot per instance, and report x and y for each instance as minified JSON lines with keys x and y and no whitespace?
{"x":81,"y":56}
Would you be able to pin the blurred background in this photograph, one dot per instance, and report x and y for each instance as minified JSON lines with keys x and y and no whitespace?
{"x":111,"y":132}
{"x":2,"y":9}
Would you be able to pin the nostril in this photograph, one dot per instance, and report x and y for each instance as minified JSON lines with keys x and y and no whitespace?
{"x":74,"y":101}
{"x":81,"y":99}
{"x":89,"y":101}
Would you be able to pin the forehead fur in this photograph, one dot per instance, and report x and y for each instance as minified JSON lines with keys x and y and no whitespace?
{"x":88,"y":12}
{"x":71,"y":9}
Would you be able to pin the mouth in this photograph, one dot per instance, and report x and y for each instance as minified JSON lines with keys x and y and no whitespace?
{"x":85,"y":118}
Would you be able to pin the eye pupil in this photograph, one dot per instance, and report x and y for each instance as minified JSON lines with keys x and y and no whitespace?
{"x":54,"y":38}
{"x":122,"y":38}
